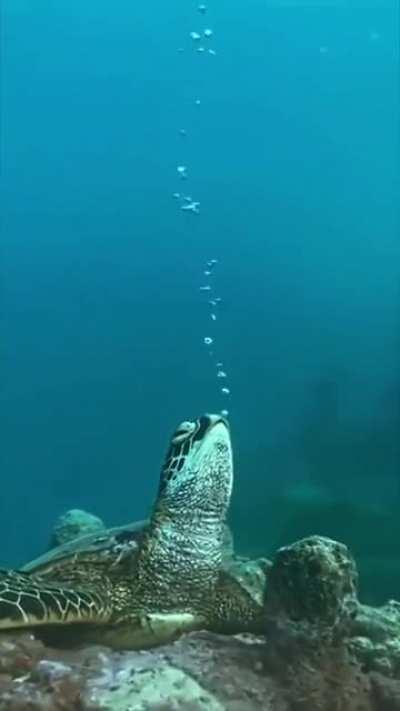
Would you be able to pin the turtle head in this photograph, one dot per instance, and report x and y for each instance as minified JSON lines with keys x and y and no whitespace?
{"x":197,"y":475}
{"x":180,"y":554}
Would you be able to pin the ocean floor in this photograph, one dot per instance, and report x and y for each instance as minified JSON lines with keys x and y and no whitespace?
{"x":199,"y":672}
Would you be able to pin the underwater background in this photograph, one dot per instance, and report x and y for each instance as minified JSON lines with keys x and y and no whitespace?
{"x":293,"y":154}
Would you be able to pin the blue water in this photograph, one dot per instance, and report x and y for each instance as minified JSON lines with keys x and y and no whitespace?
{"x":293,"y":154}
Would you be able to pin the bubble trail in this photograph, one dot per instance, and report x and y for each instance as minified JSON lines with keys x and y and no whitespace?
{"x":212,"y":306}
{"x":200,"y":41}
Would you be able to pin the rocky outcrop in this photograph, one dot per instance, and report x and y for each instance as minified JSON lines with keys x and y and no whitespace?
{"x":74,"y":523}
{"x":312,"y":581}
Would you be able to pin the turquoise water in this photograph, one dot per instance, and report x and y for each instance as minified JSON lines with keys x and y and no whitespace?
{"x":293,"y":156}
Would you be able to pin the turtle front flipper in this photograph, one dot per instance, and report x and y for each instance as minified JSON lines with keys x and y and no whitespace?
{"x":29,"y":601}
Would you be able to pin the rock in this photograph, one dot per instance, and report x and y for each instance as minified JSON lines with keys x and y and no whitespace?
{"x":312,"y":581}
{"x":251,"y":574}
{"x":375,"y":638}
{"x":386,"y":692}
{"x":74,"y":523}
{"x":33,"y":680}
{"x":199,"y":672}
{"x":162,"y":688}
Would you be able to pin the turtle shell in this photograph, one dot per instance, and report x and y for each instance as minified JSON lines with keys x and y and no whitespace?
{"x":113,"y":543}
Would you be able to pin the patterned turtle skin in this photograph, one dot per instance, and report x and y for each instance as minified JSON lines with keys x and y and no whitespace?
{"x":144,"y":584}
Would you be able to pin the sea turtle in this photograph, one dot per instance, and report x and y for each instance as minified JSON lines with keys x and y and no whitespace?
{"x":140,"y":587}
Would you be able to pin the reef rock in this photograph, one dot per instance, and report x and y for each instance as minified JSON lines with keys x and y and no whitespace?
{"x":313,"y":581}
{"x":72,"y":524}
{"x":199,"y":672}
{"x":375,"y":638}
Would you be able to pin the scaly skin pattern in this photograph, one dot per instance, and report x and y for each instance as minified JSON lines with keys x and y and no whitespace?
{"x":181,"y":552}
{"x":28,"y":600}
{"x":170,"y":582}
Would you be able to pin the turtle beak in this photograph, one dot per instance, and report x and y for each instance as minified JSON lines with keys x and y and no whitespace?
{"x":210,"y":421}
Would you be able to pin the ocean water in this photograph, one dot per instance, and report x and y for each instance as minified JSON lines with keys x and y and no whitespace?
{"x":293,"y":154}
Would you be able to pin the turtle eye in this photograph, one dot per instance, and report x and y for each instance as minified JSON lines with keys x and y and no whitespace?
{"x":202,"y":426}
{"x":184,"y":430}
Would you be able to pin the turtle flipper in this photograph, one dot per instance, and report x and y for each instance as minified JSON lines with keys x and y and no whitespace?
{"x":234,"y":608}
{"x":29,"y":601}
